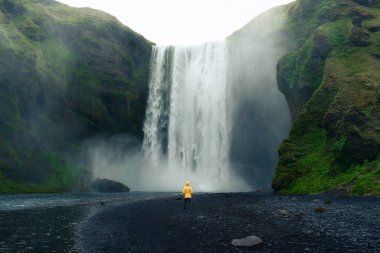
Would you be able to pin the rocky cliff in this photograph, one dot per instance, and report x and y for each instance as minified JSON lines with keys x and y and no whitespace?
{"x":66,"y":74}
{"x":331,"y":79}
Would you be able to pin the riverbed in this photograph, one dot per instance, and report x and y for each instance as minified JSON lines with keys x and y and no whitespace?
{"x":284,"y":223}
{"x":155,"y":222}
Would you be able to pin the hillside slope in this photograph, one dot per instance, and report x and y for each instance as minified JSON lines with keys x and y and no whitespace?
{"x":65,"y":74}
{"x":331,"y":81}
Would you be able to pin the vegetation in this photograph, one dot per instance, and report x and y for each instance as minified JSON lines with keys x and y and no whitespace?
{"x":65,"y":75}
{"x":331,"y":81}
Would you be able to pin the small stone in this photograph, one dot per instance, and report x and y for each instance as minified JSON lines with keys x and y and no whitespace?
{"x":320,"y":210}
{"x":328,"y":202}
{"x":248,"y":241}
{"x":283,"y":212}
{"x":307,"y":231}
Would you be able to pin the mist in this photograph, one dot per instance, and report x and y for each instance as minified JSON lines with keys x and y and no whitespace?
{"x":121,"y":158}
{"x":259,"y":115}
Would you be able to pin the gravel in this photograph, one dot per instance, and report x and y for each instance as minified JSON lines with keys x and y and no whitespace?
{"x":284,"y":223}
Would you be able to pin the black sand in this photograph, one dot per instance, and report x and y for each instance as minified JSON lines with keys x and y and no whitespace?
{"x":342,"y":225}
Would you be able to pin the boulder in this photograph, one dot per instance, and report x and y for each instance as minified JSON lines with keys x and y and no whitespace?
{"x":321,"y":45}
{"x":360,"y":37}
{"x":107,"y":185}
{"x":358,"y":15}
{"x":248,"y":241}
{"x":360,"y":146}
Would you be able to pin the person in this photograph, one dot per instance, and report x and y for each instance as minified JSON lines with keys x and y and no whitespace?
{"x":187,"y":194}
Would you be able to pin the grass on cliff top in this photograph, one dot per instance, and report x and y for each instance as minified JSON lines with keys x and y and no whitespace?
{"x":303,"y":21}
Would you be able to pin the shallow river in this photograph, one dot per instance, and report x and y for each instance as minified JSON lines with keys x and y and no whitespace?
{"x":48,"y":222}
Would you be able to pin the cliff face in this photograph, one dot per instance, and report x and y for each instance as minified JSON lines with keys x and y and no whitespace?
{"x":258,"y":114}
{"x":65,"y":75}
{"x":330,"y":78}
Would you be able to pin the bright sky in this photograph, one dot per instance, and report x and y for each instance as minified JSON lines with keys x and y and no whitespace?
{"x":181,"y":22}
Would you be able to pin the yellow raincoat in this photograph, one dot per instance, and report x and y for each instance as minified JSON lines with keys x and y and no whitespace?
{"x":187,"y":191}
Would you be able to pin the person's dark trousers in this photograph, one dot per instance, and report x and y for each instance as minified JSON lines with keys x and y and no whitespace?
{"x":186,"y":203}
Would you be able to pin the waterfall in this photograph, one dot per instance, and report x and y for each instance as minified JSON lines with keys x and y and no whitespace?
{"x":185,"y":128}
{"x":214,"y":116}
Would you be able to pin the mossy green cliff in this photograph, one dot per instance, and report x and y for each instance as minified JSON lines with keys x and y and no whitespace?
{"x":65,"y":74}
{"x":331,"y":80}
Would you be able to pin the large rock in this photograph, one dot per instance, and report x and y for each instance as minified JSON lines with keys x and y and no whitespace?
{"x":106,"y":185}
{"x":248,"y":241}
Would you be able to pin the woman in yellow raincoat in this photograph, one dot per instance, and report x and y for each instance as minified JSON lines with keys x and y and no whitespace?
{"x":187,"y":194}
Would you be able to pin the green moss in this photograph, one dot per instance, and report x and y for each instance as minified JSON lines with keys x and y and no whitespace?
{"x":368,"y":178}
{"x":10,"y":116}
{"x":58,"y":58}
{"x":315,"y":174}
{"x":338,"y":33}
{"x":335,"y":137}
{"x":372,"y":22}
{"x":63,"y":175}
{"x":339,"y":144}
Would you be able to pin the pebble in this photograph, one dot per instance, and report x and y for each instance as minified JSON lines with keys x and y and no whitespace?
{"x":283,"y":212}
{"x":320,"y":210}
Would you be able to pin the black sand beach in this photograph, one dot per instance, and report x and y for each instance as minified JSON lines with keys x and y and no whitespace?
{"x":284,"y":223}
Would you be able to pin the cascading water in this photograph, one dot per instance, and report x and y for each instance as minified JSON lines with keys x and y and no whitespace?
{"x":185,"y":128}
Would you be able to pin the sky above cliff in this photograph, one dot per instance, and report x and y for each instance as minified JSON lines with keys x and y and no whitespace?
{"x":181,"y":22}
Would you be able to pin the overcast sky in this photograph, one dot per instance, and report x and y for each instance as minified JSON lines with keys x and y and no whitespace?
{"x":181,"y":22}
